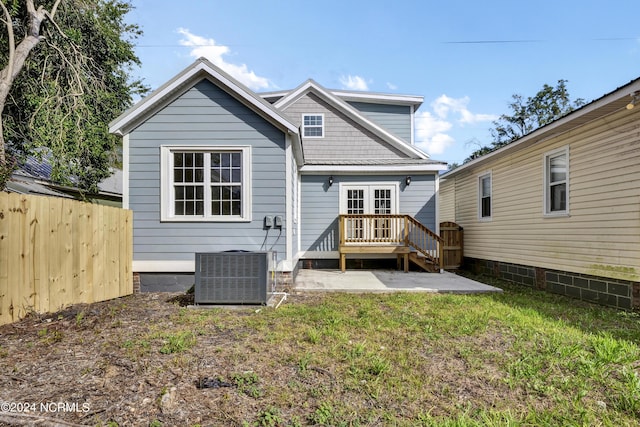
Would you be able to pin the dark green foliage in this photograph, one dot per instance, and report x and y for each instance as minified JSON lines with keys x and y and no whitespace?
{"x":74,"y":82}
{"x":7,"y":167}
{"x":527,"y":115}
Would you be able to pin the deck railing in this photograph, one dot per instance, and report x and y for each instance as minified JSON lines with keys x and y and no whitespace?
{"x":372,"y":229}
{"x":392,"y":230}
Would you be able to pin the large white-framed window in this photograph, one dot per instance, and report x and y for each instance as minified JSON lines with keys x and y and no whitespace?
{"x":205,"y":183}
{"x":485,"y":189}
{"x":556,"y":182}
{"x":313,"y":125}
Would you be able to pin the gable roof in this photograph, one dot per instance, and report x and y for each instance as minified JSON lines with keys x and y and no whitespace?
{"x":310,"y":86}
{"x":358,"y":96}
{"x":199,"y":70}
{"x":605,"y":105}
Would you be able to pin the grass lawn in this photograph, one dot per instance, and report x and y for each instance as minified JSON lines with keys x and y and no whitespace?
{"x":522,"y":357}
{"x":519,"y":358}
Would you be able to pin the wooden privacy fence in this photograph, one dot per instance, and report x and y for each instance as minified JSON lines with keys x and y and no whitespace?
{"x":56,"y":252}
{"x":453,"y":244}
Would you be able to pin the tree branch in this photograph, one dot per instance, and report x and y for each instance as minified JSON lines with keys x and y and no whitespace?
{"x":54,"y":8}
{"x":12,"y":42}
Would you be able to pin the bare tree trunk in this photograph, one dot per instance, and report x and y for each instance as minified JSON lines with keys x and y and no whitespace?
{"x":19,"y":54}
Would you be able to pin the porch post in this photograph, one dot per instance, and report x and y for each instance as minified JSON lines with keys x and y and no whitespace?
{"x":406,"y":230}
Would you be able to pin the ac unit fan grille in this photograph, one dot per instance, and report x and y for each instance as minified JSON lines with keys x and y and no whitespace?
{"x":231,"y":278}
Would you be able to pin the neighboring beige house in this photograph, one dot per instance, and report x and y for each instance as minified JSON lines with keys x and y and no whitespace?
{"x":559,"y":209}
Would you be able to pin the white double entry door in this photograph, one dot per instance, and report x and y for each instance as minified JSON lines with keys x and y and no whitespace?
{"x":370,"y":199}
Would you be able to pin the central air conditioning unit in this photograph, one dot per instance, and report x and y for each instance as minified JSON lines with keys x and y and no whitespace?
{"x":235,"y":277}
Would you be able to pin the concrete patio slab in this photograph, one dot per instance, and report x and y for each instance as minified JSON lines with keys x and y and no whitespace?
{"x":386,"y":281}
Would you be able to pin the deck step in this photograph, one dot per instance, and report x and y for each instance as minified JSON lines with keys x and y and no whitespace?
{"x":423,"y":262}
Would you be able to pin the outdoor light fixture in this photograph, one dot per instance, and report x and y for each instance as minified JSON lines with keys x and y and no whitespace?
{"x":635,"y":100}
{"x":407,"y":180}
{"x":330,"y":180}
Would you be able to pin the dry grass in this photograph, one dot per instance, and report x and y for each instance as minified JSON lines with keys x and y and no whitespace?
{"x":520,"y":358}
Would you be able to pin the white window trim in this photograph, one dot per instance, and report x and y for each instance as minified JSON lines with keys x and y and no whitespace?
{"x":166,"y":193}
{"x":303,"y":126}
{"x":393,"y":186}
{"x":545,"y":167}
{"x":480,"y":178}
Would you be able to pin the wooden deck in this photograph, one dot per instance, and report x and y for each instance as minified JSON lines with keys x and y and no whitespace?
{"x":401,"y":235}
{"x":402,"y":253}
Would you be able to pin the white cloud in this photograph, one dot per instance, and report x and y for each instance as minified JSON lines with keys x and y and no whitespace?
{"x":431,"y":133}
{"x":353,"y":83}
{"x":392,"y":86}
{"x":445,"y":105}
{"x":433,"y":130}
{"x":204,"y":47}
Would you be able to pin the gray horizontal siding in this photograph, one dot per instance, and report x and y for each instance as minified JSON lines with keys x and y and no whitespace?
{"x":344,"y":138}
{"x":320,"y":205}
{"x":319,"y":214}
{"x":394,"y":118}
{"x":205,"y":115}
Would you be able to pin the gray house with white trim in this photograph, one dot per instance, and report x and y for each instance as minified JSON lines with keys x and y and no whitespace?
{"x":210,"y":165}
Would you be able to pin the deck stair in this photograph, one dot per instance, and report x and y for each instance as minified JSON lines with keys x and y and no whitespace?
{"x":423,"y":262}
{"x":402,"y":235}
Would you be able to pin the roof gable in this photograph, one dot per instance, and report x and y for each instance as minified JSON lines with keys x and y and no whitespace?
{"x":358,"y":96}
{"x":201,"y":69}
{"x":310,"y":86}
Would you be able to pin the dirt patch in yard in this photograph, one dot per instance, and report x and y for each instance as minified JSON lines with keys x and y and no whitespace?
{"x":145,"y":360}
{"x":130,"y":361}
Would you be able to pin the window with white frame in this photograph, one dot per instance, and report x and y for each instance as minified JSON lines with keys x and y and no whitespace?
{"x":313,"y":125}
{"x":556,"y":187}
{"x":206,"y":184}
{"x":484,"y":196}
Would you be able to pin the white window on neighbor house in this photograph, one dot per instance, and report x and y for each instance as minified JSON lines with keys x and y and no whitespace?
{"x":206,"y":183}
{"x":484,"y":196}
{"x":556,"y":182}
{"x":313,"y":125}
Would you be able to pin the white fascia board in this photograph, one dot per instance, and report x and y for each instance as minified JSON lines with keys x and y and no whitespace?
{"x":204,"y":69}
{"x":276,"y":94}
{"x":312,"y":86}
{"x":151,"y":101}
{"x":356,"y":96}
{"x":293,"y":95}
{"x":369,"y":169}
{"x":379,"y":98}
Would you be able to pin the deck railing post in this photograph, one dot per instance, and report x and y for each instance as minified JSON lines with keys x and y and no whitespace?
{"x":405,"y":220}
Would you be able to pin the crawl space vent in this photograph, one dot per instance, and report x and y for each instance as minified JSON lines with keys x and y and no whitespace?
{"x":232,"y":277}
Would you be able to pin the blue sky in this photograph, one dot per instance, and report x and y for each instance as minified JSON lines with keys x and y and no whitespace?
{"x":465,"y":57}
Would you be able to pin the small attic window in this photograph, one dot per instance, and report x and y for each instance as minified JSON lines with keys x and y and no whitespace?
{"x":313,"y":125}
